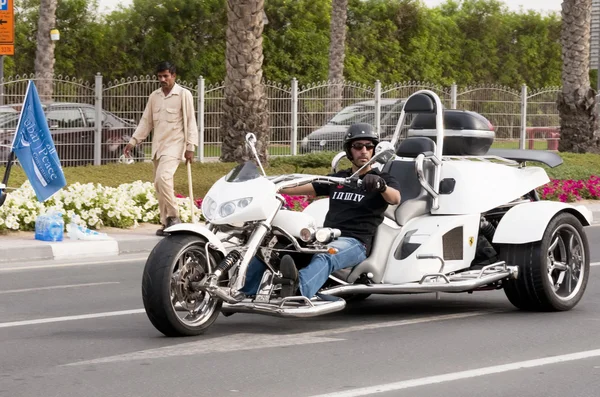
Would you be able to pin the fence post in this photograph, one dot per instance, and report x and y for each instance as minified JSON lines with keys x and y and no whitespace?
{"x":98,"y":121}
{"x":453,"y":96}
{"x":200,"y":119}
{"x":377,"y":106}
{"x":294,"y":117}
{"x":523,"y":116}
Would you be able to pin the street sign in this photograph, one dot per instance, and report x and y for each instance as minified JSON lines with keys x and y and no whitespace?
{"x":7,"y":28}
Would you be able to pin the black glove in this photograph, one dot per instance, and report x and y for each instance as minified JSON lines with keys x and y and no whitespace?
{"x":374,"y":183}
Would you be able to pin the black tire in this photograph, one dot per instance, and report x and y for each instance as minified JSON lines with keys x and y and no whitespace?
{"x":157,"y":290}
{"x":539,"y":286}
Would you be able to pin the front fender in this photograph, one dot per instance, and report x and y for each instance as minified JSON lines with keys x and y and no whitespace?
{"x":526,"y":223}
{"x":195,"y":228}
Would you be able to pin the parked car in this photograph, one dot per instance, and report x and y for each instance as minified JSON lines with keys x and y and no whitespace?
{"x":331,"y":135}
{"x":72,"y":126}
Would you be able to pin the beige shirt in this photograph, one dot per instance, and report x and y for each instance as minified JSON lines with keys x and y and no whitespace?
{"x":164,"y":115}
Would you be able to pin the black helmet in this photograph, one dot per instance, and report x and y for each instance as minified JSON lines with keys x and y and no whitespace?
{"x":359,"y":131}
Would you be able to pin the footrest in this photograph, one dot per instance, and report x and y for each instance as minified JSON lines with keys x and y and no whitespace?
{"x":294,"y":306}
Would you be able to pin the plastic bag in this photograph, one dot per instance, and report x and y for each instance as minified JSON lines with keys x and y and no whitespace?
{"x":78,"y":232}
{"x":49,"y":227}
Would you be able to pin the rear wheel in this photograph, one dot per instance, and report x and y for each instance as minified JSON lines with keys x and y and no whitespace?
{"x":172,"y":306}
{"x":553,"y":273}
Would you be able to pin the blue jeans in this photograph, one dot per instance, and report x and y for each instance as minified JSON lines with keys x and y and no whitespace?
{"x":311,"y":278}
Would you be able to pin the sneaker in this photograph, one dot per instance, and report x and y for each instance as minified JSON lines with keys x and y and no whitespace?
{"x":161,"y":232}
{"x":289,"y":273}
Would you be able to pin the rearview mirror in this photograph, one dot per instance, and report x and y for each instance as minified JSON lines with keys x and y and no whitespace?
{"x":384,"y":152}
{"x":338,"y":157}
{"x":251,"y":139}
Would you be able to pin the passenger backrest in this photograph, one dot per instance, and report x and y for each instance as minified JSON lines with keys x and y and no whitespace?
{"x":414,"y":200}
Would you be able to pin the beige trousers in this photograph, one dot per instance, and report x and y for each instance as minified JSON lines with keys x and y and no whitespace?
{"x":164,"y":169}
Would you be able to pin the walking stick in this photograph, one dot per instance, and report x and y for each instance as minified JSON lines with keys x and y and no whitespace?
{"x":191,"y":192}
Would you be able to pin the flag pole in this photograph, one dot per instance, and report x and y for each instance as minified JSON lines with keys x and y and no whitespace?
{"x":11,"y":159}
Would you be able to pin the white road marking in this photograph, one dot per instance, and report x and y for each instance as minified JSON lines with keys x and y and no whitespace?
{"x":15,"y":291}
{"x":236,"y":342}
{"x":243,"y":341}
{"x":398,"y":323}
{"x":70,"y":318}
{"x":87,"y":263}
{"x":430,"y":380}
{"x":595,"y":264}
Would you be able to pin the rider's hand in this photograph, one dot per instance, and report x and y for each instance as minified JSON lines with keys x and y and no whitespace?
{"x":128,"y":149}
{"x":374,"y":183}
{"x":189,"y":156}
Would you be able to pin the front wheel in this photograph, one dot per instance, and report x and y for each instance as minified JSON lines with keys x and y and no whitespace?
{"x":172,"y":306}
{"x":553,"y":273}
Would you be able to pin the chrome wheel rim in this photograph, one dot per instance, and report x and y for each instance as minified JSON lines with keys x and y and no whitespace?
{"x":566,"y":262}
{"x":192,"y":308}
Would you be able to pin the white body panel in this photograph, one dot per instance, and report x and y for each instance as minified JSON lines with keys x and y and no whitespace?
{"x":261,"y":190}
{"x":201,"y":230}
{"x":428,"y":231}
{"x":526,"y":223}
{"x":292,"y":222}
{"x":318,"y":210}
{"x":481,"y":186}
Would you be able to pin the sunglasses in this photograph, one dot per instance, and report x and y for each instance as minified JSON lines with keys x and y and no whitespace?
{"x":359,"y":146}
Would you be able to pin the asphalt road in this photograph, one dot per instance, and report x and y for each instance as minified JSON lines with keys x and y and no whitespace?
{"x":79,"y":329}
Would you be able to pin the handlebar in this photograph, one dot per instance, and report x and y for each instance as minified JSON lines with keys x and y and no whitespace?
{"x":302,"y":179}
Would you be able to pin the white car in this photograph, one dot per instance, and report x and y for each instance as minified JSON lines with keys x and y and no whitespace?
{"x":331,"y":136}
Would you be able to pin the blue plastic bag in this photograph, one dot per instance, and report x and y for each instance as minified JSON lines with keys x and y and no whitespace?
{"x":50,"y":227}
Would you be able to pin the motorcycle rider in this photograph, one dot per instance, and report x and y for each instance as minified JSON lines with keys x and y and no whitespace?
{"x":356,"y":212}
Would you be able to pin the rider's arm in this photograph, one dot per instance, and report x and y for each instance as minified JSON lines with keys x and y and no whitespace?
{"x":304,"y":190}
{"x":391,"y":195}
{"x":392,"y":192}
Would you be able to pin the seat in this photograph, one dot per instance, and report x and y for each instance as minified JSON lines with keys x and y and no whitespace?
{"x":414,"y":200}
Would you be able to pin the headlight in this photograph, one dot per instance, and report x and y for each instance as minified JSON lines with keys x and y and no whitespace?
{"x":307,"y":234}
{"x":327,"y":234}
{"x":209,"y":208}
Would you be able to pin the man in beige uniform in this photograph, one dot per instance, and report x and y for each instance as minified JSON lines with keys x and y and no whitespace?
{"x":169,"y":111}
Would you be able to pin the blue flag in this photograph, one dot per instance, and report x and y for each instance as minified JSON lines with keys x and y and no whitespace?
{"x":34,"y":147}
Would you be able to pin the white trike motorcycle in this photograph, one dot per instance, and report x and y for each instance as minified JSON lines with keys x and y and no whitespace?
{"x":465,"y":223}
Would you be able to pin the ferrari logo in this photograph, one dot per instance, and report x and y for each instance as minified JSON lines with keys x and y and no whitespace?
{"x":471,"y":241}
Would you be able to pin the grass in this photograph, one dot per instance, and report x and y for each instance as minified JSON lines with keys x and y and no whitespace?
{"x":575,"y":166}
{"x":514,"y":144}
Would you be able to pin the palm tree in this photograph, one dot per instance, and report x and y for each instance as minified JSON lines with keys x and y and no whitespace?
{"x":337,"y":47}
{"x":577,"y":100}
{"x":44,"y":54}
{"x":245,"y":105}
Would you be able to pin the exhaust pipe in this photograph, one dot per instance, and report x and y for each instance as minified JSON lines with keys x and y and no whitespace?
{"x":462,"y":282}
{"x":292,"y":307}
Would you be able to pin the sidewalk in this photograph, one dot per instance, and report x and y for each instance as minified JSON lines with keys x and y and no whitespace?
{"x":21,"y":246}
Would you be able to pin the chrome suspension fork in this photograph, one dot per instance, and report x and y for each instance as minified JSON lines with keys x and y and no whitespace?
{"x":254,"y":242}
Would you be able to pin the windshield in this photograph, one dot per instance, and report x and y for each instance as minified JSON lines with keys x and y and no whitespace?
{"x":243,"y":172}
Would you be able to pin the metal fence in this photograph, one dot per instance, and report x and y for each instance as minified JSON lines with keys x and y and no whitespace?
{"x":301,"y":118}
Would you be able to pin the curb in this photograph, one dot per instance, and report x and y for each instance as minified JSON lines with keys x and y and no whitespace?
{"x":37,"y":250}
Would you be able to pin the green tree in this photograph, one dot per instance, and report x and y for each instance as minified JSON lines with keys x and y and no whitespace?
{"x":189,"y":33}
{"x":44,"y":54}
{"x":577,"y":100}
{"x":296,"y":40}
{"x":245,"y":104}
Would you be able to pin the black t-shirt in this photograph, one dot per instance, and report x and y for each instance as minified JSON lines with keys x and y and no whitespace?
{"x":354,"y":211}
